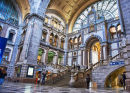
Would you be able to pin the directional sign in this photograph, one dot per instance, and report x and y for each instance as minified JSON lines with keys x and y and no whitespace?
{"x":3,"y":42}
{"x":116,"y":63}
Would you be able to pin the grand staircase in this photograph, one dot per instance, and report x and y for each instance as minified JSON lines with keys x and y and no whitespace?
{"x":59,"y":81}
{"x":100,"y":71}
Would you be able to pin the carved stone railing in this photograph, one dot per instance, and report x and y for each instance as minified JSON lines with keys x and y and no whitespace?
{"x":116,"y":57}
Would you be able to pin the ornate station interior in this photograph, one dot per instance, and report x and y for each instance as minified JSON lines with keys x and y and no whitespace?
{"x":54,"y":35}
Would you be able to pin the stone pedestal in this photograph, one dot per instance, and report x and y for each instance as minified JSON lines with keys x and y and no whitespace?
{"x":72,"y":81}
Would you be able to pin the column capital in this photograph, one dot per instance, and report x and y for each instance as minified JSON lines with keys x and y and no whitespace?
{"x":37,"y":16}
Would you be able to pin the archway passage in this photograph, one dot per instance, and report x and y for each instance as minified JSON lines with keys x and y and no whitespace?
{"x":115,"y":78}
{"x":95,"y":52}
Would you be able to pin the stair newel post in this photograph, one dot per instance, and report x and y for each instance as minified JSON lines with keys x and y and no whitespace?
{"x":72,"y":81}
{"x":110,"y":58}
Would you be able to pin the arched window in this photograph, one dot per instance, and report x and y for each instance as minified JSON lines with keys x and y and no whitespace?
{"x":75,"y":43}
{"x":62,"y":43}
{"x":70,"y":45}
{"x":119,"y":33}
{"x":8,"y":12}
{"x":55,"y":40}
{"x":0,"y":30}
{"x":44,"y":37}
{"x":79,"y":41}
{"x":40,"y":53}
{"x":51,"y":38}
{"x":107,"y":7}
{"x":23,"y":36}
{"x":112,"y":31}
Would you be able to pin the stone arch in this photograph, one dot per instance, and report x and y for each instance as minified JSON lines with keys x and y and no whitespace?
{"x":96,"y":37}
{"x":112,"y":70}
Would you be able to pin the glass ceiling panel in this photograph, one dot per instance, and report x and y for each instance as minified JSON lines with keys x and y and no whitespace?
{"x":107,"y":7}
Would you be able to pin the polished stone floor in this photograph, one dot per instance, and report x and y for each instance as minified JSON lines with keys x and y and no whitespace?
{"x":9,"y":87}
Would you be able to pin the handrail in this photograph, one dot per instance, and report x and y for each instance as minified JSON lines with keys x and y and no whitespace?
{"x":119,"y":55}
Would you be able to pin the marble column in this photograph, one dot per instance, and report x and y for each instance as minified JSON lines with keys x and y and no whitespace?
{"x":66,"y":47}
{"x":102,"y":56}
{"x":82,"y":57}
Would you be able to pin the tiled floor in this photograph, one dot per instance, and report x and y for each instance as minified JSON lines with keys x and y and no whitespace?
{"x":9,"y":87}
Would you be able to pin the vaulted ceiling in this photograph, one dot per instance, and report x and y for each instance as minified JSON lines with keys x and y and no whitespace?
{"x":69,"y":8}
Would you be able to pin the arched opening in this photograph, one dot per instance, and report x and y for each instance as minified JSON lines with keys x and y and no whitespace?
{"x":55,"y":41}
{"x":75,"y":42}
{"x":119,"y":33}
{"x":40,"y":55}
{"x":70,"y":45}
{"x":60,"y":59}
{"x":62,"y":43}
{"x":79,"y":41}
{"x":51,"y":55}
{"x":95,"y":49}
{"x":114,"y":79}
{"x":51,"y":39}
{"x":112,"y":31}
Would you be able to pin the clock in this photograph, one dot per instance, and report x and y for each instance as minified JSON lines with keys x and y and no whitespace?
{"x":91,"y":18}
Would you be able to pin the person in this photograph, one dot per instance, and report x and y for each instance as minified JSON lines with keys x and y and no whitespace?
{"x":43,"y":77}
{"x":86,"y":67}
{"x":39,"y":78}
{"x":124,"y":77}
{"x":73,"y":66}
{"x":78,"y":67}
{"x":2,"y":75}
{"x":88,"y":80}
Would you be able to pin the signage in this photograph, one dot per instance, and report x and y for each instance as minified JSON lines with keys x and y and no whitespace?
{"x":116,"y":63}
{"x":3,"y":42}
{"x":30,"y":71}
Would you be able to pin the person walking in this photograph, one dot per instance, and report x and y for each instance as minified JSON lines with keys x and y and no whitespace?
{"x":43,"y":77}
{"x":39,"y":78}
{"x":88,"y":80}
{"x":2,"y":75}
{"x":124,"y":78}
{"x":78,"y":67}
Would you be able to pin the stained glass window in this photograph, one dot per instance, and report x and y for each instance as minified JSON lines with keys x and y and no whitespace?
{"x":8,"y":12}
{"x":107,"y":7}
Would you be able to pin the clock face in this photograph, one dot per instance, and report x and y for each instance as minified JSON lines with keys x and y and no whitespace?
{"x":91,"y":18}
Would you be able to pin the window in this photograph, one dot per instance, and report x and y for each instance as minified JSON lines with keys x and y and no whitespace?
{"x":55,"y":41}
{"x":44,"y":37}
{"x":10,"y":38}
{"x":119,"y":33}
{"x":108,"y":8}
{"x":79,"y":41}
{"x":62,"y":43}
{"x":112,"y":33}
{"x":70,"y":45}
{"x":23,"y":36}
{"x":51,"y":39}
{"x":5,"y":56}
{"x":8,"y":12}
{"x":75,"y":43}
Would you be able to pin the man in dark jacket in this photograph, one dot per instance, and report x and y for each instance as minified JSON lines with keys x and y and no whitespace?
{"x":88,"y":80}
{"x":124,"y":77}
{"x":43,"y":77}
